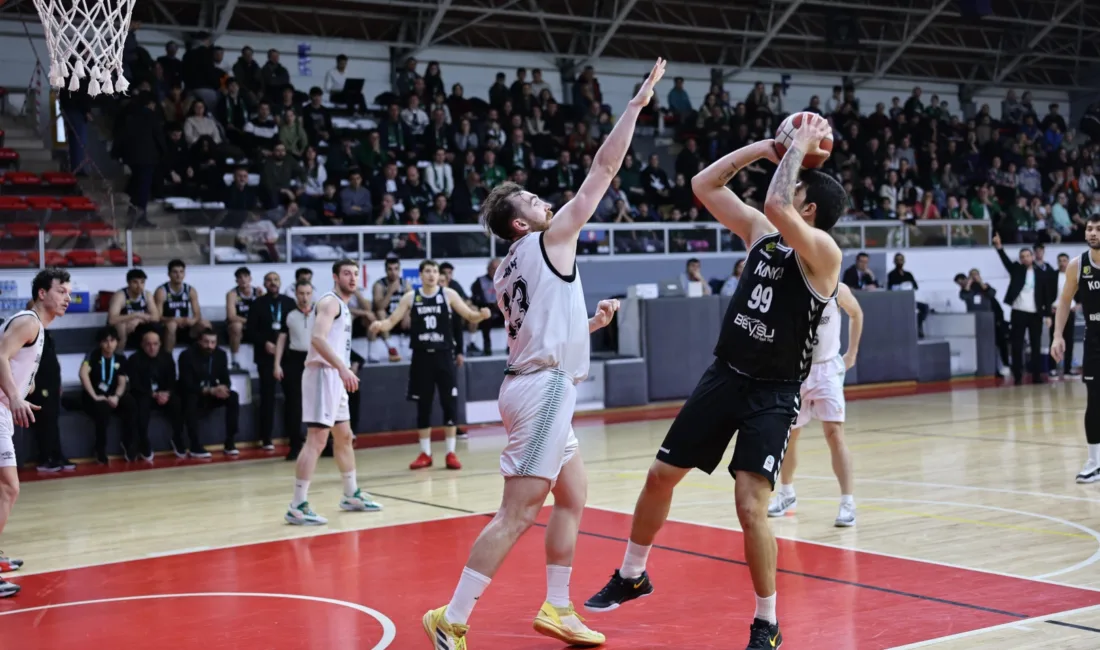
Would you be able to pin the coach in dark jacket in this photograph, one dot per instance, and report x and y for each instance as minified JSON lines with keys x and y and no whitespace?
{"x":266,"y":320}
{"x":152,"y":378}
{"x":47,"y":396}
{"x":204,"y":386}
{"x":1030,"y":295}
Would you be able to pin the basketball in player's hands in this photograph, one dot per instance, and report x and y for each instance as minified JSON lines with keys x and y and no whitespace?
{"x":784,"y":136}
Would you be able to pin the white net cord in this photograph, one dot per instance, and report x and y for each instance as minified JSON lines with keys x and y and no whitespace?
{"x":85,"y":39}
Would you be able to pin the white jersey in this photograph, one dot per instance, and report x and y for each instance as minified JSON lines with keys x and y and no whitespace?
{"x":546,"y":318}
{"x":339,"y":335}
{"x":24,"y":364}
{"x":827,"y":337}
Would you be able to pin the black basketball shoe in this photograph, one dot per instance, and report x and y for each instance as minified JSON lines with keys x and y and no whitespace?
{"x":764,"y":636}
{"x":618,"y":591}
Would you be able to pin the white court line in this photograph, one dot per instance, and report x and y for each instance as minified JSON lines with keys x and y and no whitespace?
{"x":950,"y":486}
{"x":425,"y":520}
{"x":860,"y":550}
{"x":389,"y":630}
{"x":984,"y":630}
{"x":1076,"y":567}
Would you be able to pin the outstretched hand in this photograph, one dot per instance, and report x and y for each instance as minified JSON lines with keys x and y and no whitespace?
{"x":605,"y":311}
{"x":645,"y":93}
{"x":812,"y":131}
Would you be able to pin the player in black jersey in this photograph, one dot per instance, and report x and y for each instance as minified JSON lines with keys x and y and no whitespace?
{"x":132,"y":311}
{"x":178,"y":303}
{"x":1083,"y":285}
{"x":238,"y":301}
{"x":385,"y":295}
{"x":433,"y":355}
{"x":764,"y":352}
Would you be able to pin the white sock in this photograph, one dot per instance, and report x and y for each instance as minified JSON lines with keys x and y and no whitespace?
{"x":1094,"y":453}
{"x":847,"y":500}
{"x":557,"y":585}
{"x":451,"y":444}
{"x":350,"y":483}
{"x":470,"y":587}
{"x":426,"y":446}
{"x":301,"y":492}
{"x":765,"y":609}
{"x":786,"y":489}
{"x":634,"y":560}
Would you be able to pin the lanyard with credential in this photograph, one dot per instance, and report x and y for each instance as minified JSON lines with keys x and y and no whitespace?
{"x":276,"y":318}
{"x":107,"y":378}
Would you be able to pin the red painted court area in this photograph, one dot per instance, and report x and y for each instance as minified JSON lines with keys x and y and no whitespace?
{"x":368,"y":590}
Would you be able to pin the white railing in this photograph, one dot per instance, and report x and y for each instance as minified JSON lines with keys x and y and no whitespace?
{"x":598,"y":241}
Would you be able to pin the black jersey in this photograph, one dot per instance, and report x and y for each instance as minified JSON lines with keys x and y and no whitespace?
{"x":768,"y":330}
{"x":431,"y":327}
{"x":244,"y":303}
{"x":134,"y":305}
{"x":1088,"y":296}
{"x":395,"y":299}
{"x":177,"y":305}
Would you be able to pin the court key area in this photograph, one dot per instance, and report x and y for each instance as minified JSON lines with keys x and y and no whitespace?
{"x":971,"y":534}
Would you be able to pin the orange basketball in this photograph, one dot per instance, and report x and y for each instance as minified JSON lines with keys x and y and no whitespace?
{"x":785,"y":134}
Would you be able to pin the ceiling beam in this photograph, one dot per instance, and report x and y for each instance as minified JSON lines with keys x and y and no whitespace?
{"x":1056,"y":21}
{"x":910,"y":38}
{"x":772,"y":32}
{"x":429,"y":32}
{"x":482,"y":14}
{"x":224,"y":17}
{"x":608,"y":33}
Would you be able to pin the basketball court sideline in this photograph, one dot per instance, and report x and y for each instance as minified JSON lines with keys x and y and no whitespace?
{"x":971,"y":533}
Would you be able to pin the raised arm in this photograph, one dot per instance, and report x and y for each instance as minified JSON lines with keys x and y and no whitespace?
{"x":728,"y":208}
{"x":1065,"y":301}
{"x":462,"y":309}
{"x":815,"y":247}
{"x":846,"y":301}
{"x":566,"y":224}
{"x":386,"y":324}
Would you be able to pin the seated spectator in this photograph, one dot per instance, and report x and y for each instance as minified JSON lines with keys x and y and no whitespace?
{"x":397,"y":139}
{"x":355,"y":203}
{"x":233,"y":114}
{"x":240,"y":198}
{"x":386,"y":215}
{"x":263,"y":131}
{"x":440,"y":175}
{"x":204,"y":386}
{"x":316,"y":118}
{"x":151,"y":378}
{"x":413,"y":191}
{"x":492,"y":173}
{"x":440,"y":214}
{"x":285,"y":103}
{"x":467,"y":198}
{"x":315,"y":177}
{"x":178,"y":177}
{"x":238,"y":302}
{"x":199,"y":124}
{"x":178,"y":304}
{"x":693,"y":272}
{"x":858,"y":275}
{"x":176,"y":106}
{"x":438,"y":135}
{"x":103,"y":378}
{"x":329,"y":214}
{"x":414,"y":118}
{"x":335,"y":83}
{"x":132,"y":310}
{"x":730,"y":285}
{"x":292,"y":134}
{"x":281,"y":179}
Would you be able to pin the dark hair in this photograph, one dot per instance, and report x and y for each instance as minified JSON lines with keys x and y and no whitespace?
{"x":1094,"y":218}
{"x":341,"y":57}
{"x":426,"y":263}
{"x":208,"y":331}
{"x":339,"y":264}
{"x":307,"y":271}
{"x":827,"y":194}
{"x":44,"y":280}
{"x":106,"y":333}
{"x":135,"y":274}
{"x":862,"y":254}
{"x":241,"y":272}
{"x":1040,"y":246}
{"x":390,"y":261}
{"x":498,"y":211}
{"x":446,"y":266}
{"x":1061,"y":255}
{"x":302,"y":283}
{"x":960,"y":276}
{"x":693,"y":260}
{"x":176,"y":264}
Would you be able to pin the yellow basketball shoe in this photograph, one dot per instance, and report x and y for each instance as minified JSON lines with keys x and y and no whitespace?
{"x":565,"y":625}
{"x":443,"y":634}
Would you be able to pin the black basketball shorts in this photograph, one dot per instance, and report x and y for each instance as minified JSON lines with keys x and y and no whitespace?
{"x":430,"y":370}
{"x":726,"y":402}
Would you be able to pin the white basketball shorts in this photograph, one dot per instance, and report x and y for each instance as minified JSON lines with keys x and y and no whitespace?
{"x":324,"y":398}
{"x":823,"y":393}
{"x":537,"y":411}
{"x":7,"y":438}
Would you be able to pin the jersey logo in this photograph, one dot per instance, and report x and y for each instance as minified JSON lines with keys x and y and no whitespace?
{"x":1093,"y":284}
{"x":769,"y":463}
{"x":1086,"y":270}
{"x":755,"y":327}
{"x":516,"y":301}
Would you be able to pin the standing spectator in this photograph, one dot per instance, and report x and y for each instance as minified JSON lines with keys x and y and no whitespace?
{"x":152,"y":382}
{"x":172,"y":67}
{"x":292,"y":134}
{"x":290,"y":363}
{"x":47,"y":397}
{"x":103,"y":379}
{"x":141,"y":151}
{"x":1029,"y":296}
{"x":280,"y":179}
{"x":249,"y":75}
{"x":233,"y":114}
{"x":317,"y":119}
{"x":198,"y":70}
{"x":263,"y":131}
{"x":440,"y":175}
{"x":406,"y":77}
{"x":858,"y":275}
{"x":483,"y":293}
{"x":266,"y":320}
{"x":275,"y":77}
{"x":77,"y":111}
{"x":204,"y":386}
{"x":901,"y":280}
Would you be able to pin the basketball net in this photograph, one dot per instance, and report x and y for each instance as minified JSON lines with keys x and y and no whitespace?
{"x":85,"y":39}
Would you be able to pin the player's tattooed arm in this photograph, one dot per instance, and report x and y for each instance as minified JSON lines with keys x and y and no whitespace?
{"x":785,"y":178}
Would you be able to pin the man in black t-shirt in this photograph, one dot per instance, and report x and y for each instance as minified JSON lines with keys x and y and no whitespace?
{"x":103,"y":380}
{"x":204,"y":386}
{"x":266,"y":320}
{"x":47,"y":395}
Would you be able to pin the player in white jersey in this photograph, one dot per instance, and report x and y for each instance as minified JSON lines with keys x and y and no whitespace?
{"x":823,"y":399}
{"x":326,"y":382}
{"x":539,"y":293}
{"x":21,"y":342}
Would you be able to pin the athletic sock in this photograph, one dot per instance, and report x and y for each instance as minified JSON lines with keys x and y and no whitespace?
{"x":1094,"y":453}
{"x":470,"y":587}
{"x":765,"y":609}
{"x":426,"y":446}
{"x":451,"y":444}
{"x":350,"y":483}
{"x":786,"y":489}
{"x":557,"y":585}
{"x":634,"y":560}
{"x":301,"y":492}
{"x":847,"y":500}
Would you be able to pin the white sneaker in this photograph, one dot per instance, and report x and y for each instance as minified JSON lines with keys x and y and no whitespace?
{"x":360,"y":502}
{"x":303,"y":515}
{"x":781,"y":504}
{"x":1090,"y":473}
{"x":846,"y":518}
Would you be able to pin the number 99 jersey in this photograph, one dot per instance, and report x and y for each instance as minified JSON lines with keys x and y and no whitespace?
{"x":544,"y":312}
{"x":768,"y":330}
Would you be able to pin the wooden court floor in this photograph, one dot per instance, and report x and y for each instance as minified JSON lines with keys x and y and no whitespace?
{"x":971,"y":533}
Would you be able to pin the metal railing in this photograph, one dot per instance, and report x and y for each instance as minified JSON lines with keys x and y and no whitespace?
{"x":597,"y":241}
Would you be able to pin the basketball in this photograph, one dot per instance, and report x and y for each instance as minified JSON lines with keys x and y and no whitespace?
{"x":784,"y":134}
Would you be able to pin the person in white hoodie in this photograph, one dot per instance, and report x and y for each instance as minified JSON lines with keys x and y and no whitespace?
{"x":439,"y":175}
